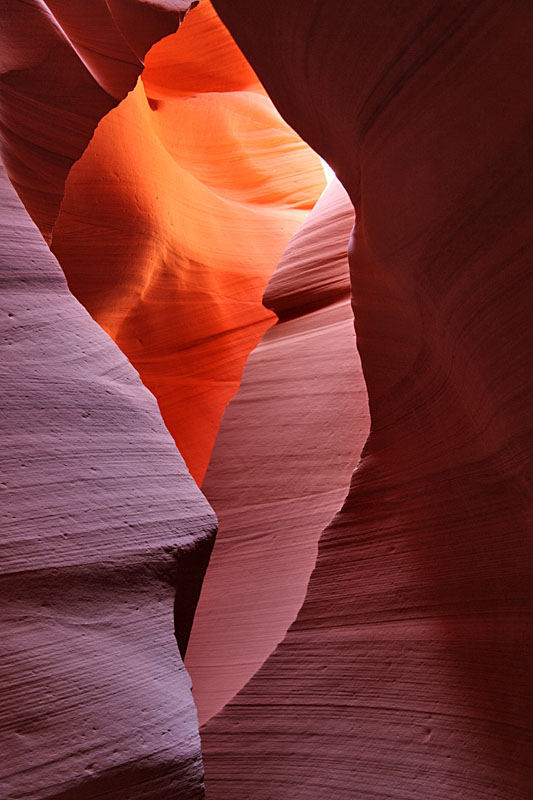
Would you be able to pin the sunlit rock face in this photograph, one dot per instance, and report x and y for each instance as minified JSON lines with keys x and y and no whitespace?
{"x":176,"y":216}
{"x":104,"y":534}
{"x":178,"y":210}
{"x":282,"y":461}
{"x":406,"y":673}
{"x":168,"y":238}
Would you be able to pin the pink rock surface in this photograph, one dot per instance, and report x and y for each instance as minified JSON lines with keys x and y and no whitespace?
{"x":407,"y":673}
{"x":103,"y":531}
{"x":282,"y":460}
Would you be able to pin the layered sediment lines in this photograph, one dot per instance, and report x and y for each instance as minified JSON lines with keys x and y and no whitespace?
{"x":176,"y":216}
{"x":104,"y":531}
{"x":282,"y":461}
{"x":407,"y":671}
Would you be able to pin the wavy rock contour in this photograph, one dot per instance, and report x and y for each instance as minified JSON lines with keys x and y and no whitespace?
{"x":406,"y":671}
{"x":282,"y":460}
{"x":63,"y":66}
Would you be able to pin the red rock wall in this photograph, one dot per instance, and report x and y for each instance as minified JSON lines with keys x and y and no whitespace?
{"x":168,"y":238}
{"x":104,"y":533}
{"x":407,"y":671}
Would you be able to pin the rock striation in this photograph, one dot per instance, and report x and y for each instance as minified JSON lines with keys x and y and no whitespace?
{"x":168,"y":239}
{"x":175,"y":217}
{"x":283,"y":457}
{"x":383,"y":656}
{"x":104,"y":531}
{"x":407,"y":671}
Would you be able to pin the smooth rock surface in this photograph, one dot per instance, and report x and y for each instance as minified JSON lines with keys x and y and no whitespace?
{"x":103,"y":531}
{"x":282,"y":461}
{"x":175,"y":217}
{"x":407,"y":673}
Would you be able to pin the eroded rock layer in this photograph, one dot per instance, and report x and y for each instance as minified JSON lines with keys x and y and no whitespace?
{"x":104,"y":531}
{"x":175,"y":217}
{"x":407,"y":671}
{"x":282,"y":460}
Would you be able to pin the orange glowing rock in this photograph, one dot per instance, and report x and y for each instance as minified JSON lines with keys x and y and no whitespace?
{"x":175,"y":217}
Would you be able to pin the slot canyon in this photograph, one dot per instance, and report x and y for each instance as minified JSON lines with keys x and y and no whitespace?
{"x":267,"y":400}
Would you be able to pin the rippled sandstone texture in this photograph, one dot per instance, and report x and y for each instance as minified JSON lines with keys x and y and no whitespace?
{"x":177,"y":212}
{"x":283,"y":457}
{"x":168,"y":238}
{"x":407,"y":671}
{"x":104,"y":531}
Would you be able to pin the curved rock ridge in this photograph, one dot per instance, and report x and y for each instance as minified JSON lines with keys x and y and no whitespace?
{"x":282,"y":460}
{"x":103,"y":530}
{"x":175,"y":217}
{"x":63,"y":66}
{"x":314,"y":270}
{"x":407,"y":671}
